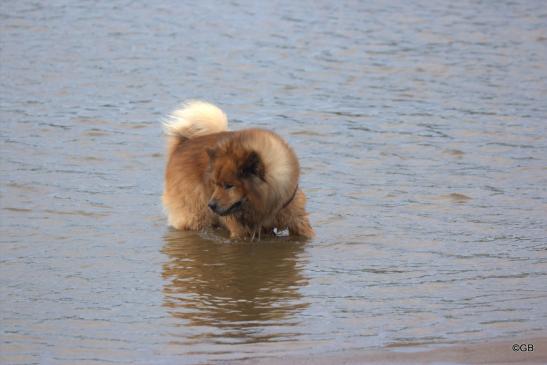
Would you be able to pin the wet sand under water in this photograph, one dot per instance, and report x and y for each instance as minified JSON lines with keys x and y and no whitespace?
{"x":492,"y":353}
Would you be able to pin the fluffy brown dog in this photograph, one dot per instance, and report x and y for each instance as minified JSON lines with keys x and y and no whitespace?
{"x":246,"y":181}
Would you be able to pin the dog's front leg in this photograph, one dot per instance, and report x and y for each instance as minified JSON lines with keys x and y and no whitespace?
{"x":237,"y":231}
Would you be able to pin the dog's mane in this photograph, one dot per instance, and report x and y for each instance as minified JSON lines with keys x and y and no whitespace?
{"x":280,"y":163}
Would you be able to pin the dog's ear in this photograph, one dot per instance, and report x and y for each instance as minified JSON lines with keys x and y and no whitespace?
{"x":212,"y":153}
{"x":252,"y":165}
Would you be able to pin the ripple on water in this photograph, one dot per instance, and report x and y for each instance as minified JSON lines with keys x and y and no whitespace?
{"x":455,"y":197}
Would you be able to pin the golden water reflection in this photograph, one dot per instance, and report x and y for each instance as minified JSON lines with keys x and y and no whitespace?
{"x":232,"y":289}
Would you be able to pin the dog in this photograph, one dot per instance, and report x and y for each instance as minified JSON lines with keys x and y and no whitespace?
{"x":245,"y":181}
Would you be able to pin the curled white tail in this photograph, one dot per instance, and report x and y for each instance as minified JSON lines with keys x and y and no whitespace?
{"x":195,"y":118}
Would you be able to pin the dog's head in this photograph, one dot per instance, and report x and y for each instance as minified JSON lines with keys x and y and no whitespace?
{"x":234,"y":173}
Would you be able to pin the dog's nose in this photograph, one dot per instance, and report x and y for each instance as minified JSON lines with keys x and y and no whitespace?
{"x":213,"y":205}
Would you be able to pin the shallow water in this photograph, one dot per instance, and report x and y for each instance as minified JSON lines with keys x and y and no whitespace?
{"x":422,"y":134}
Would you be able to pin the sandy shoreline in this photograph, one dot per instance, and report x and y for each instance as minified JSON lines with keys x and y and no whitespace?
{"x":495,"y":352}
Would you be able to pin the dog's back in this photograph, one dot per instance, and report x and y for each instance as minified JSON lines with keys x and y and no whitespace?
{"x":190,"y":129}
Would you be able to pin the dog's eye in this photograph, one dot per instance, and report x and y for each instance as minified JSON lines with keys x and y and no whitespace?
{"x":228,"y":186}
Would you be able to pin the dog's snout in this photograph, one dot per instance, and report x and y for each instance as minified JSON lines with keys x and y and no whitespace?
{"x":213,"y":205}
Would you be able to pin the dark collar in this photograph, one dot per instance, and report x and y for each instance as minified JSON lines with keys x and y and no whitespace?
{"x":291,"y":199}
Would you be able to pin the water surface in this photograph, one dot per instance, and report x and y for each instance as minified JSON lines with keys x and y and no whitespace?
{"x":422,"y":134}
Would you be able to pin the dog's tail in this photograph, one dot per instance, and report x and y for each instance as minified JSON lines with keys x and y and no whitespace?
{"x":195,"y":118}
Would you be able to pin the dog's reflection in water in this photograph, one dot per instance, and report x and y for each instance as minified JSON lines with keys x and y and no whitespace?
{"x":232,"y":290}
